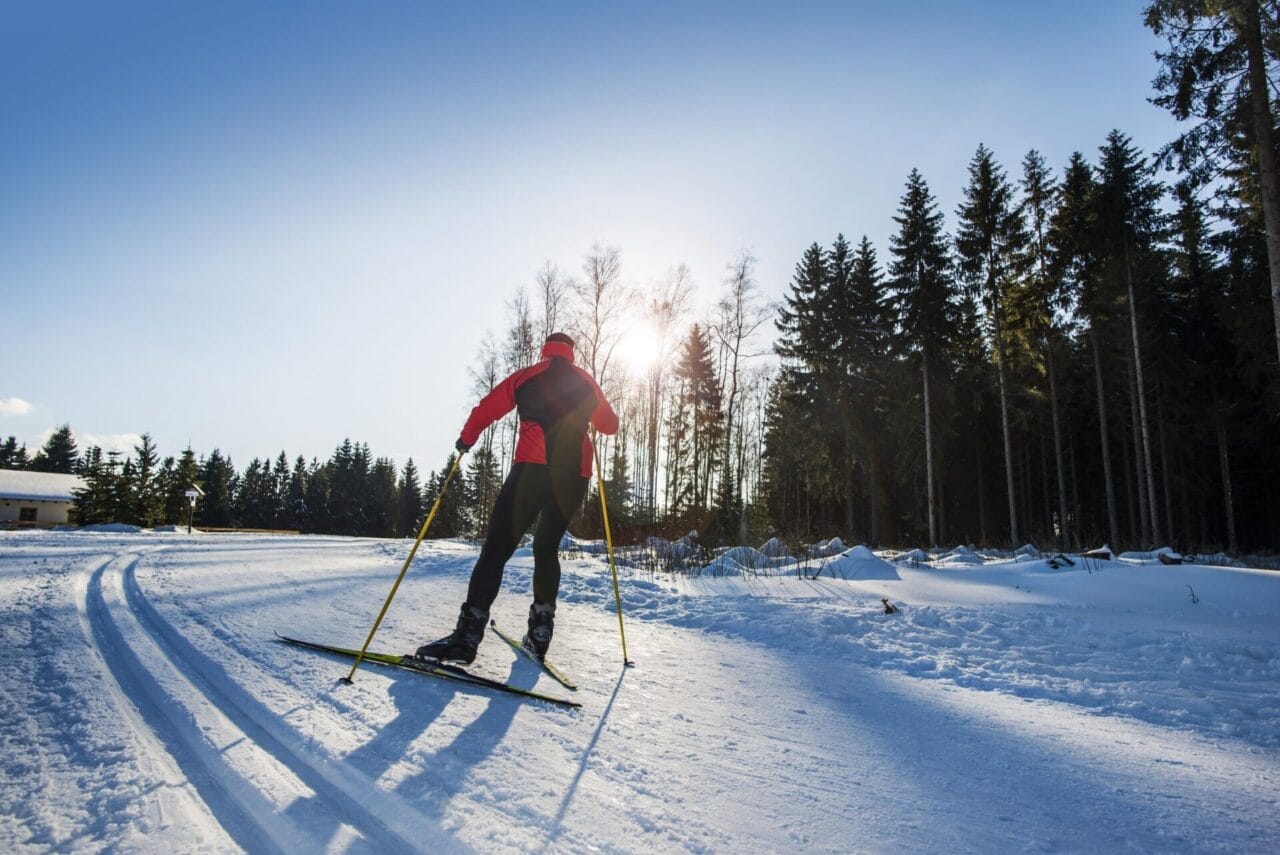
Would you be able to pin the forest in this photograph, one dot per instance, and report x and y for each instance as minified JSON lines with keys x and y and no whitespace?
{"x":1080,"y":353}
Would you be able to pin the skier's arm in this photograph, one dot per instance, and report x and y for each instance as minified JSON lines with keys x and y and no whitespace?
{"x":493,"y":406}
{"x":604,"y":419}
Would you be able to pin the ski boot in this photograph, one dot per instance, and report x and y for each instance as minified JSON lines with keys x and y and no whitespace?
{"x":459,"y":645}
{"x":542,"y":622}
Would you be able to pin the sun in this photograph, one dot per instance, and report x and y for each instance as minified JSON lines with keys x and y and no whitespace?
{"x":638,"y":349}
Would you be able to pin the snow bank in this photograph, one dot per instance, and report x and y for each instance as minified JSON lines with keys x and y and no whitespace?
{"x":114,"y":528}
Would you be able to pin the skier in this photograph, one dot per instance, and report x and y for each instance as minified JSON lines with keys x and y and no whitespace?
{"x":556,"y":402}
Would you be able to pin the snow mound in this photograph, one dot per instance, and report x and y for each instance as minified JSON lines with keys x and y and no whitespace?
{"x":961,"y":556}
{"x":1028,"y":551}
{"x":743,"y":561}
{"x":773,"y":548}
{"x":671,"y":550}
{"x":912,"y":556}
{"x":862,"y":563}
{"x":114,"y":528}
{"x":1149,"y":557}
{"x":175,"y":529}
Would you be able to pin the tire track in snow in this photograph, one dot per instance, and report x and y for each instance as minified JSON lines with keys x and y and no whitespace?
{"x":264,"y":788}
{"x":384,"y":817}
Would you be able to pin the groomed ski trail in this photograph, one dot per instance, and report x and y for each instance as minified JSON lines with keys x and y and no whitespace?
{"x":252,"y":773}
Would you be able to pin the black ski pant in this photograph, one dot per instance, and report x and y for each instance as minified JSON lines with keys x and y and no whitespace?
{"x":532,"y":491}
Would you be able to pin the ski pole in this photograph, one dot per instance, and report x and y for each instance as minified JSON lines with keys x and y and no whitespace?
{"x":613,"y":567}
{"x":412,"y":552}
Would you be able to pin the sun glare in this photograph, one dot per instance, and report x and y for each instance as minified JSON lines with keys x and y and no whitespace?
{"x":638,"y":349}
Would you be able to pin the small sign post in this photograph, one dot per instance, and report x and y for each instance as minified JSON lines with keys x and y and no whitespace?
{"x":192,"y":494}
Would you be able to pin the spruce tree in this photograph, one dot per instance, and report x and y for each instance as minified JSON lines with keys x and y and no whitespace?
{"x":990,"y":240}
{"x":185,"y":475}
{"x":148,"y":490}
{"x":923,"y":293}
{"x":1218,"y":70}
{"x":410,"y":501}
{"x":218,"y":475}
{"x":12,"y":455}
{"x":58,"y":454}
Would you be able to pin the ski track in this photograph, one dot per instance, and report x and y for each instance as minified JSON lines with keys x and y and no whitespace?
{"x":263,"y":788}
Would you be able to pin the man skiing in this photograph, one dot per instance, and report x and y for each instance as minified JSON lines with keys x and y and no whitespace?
{"x":556,"y":402}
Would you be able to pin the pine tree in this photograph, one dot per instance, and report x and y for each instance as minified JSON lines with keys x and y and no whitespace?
{"x":1128,"y":224}
{"x":58,"y":454}
{"x":185,"y":475}
{"x":1217,"y":70}
{"x":482,"y":484}
{"x":697,"y":425}
{"x":218,"y":475}
{"x":923,"y":290}
{"x":148,"y":490}
{"x":296,"y":513}
{"x":989,"y":242}
{"x":451,"y":519}
{"x":1042,"y":301}
{"x":12,"y":455}
{"x":410,"y":501}
{"x":384,"y":505}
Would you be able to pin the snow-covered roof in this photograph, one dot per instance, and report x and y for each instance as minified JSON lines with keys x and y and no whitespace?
{"x":38,"y":486}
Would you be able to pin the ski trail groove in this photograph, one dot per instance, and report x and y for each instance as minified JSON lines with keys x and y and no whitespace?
{"x":381,"y":817}
{"x":249,"y":779}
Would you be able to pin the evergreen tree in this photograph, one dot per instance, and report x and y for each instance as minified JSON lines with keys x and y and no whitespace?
{"x":989,"y":243}
{"x":384,"y":505}
{"x":1218,"y":70}
{"x":318,"y":490}
{"x":923,"y":293}
{"x":58,"y":454}
{"x":12,"y":455}
{"x":218,"y":475}
{"x":184,"y":475}
{"x":697,"y":424}
{"x":148,"y":489}
{"x":296,"y":514}
{"x":451,"y":519}
{"x":92,"y":503}
{"x":617,"y":489}
{"x":410,"y":501}
{"x":483,"y":482}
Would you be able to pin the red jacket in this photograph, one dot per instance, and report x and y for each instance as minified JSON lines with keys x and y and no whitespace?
{"x":556,"y":401}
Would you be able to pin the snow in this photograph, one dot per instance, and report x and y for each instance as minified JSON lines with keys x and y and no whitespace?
{"x":1008,"y":705}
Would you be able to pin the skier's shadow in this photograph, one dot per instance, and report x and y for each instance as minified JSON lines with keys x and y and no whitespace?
{"x":556,"y":824}
{"x":444,"y":772}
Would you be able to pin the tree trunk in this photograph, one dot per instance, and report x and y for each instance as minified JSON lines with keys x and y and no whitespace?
{"x":1143,"y":517}
{"x":1057,"y":445}
{"x":1008,"y":442}
{"x":1113,"y":521}
{"x":1149,"y":470}
{"x":928,"y":447}
{"x":1228,"y":498}
{"x":1164,"y":465}
{"x":1264,"y":148}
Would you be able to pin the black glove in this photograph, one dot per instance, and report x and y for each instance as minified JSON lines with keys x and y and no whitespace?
{"x":462,"y":446}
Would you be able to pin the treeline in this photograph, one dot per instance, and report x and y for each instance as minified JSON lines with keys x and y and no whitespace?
{"x":351,"y":493}
{"x":1079,"y":362}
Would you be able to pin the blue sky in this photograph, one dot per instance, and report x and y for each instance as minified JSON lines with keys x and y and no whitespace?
{"x":271,"y":226}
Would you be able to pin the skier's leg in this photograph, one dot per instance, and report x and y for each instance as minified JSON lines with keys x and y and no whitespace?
{"x":514,"y":511}
{"x":560,"y":505}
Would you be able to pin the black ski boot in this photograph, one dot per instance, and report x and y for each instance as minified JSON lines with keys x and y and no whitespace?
{"x":459,"y":645}
{"x":542,"y":622}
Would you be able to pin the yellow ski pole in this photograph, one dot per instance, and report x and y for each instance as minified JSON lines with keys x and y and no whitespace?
{"x":412,"y":552}
{"x":613,"y":567}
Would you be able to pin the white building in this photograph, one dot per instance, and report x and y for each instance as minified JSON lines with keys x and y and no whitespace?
{"x":36,"y":498}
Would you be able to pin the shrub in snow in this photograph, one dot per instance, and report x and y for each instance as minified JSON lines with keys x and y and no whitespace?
{"x":824,"y":548}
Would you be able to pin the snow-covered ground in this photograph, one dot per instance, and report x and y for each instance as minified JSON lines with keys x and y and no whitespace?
{"x":144,"y":705}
